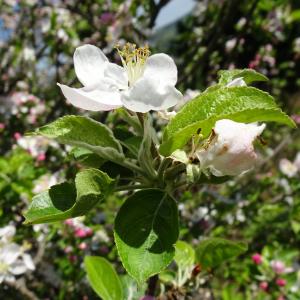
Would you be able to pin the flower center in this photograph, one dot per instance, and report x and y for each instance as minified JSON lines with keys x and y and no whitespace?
{"x":133,"y":60}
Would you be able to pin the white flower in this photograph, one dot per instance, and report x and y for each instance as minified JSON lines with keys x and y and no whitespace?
{"x":144,"y":82}
{"x":13,"y":261}
{"x":230,"y":151}
{"x":7,"y":233}
{"x":288,"y":168}
{"x":44,"y":182}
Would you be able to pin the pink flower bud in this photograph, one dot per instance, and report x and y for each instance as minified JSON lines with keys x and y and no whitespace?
{"x":2,"y":126}
{"x":257,"y":258}
{"x":264,"y":285}
{"x":69,"y":222}
{"x":278,"y":266}
{"x":68,"y":249}
{"x":280,"y":282}
{"x":82,"y":246}
{"x":80,"y":233}
{"x":230,"y":150}
{"x":88,"y":231}
{"x":17,"y":135}
{"x":41,"y":157}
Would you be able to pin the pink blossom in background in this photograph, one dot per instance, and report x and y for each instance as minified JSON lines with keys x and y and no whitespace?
{"x":41,"y":157}
{"x":2,"y":125}
{"x":68,"y":249}
{"x":280,"y":282}
{"x":264,"y":285}
{"x":257,"y":258}
{"x":80,"y":233}
{"x":107,"y":18}
{"x":278,"y":266}
{"x":82,"y":246}
{"x":296,"y":118}
{"x":17,"y":135}
{"x":69,"y":222}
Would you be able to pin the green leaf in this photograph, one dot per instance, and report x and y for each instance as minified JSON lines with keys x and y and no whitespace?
{"x":184,"y":255}
{"x":85,"y":133}
{"x":240,"y":104}
{"x":248,"y":75}
{"x":103,"y":278}
{"x":146,"y":229}
{"x":87,"y":157}
{"x":212,"y":252}
{"x":66,"y":200}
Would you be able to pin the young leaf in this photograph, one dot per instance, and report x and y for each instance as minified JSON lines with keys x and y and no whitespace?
{"x":212,"y":252}
{"x":66,"y":200}
{"x":85,"y":133}
{"x":146,"y":229}
{"x":248,"y":75}
{"x":184,"y":254}
{"x":103,"y":278}
{"x":241,"y":104}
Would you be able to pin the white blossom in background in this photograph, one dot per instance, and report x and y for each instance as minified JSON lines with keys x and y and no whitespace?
{"x":45,"y":182}
{"x":288,"y":168}
{"x":144,"y":82}
{"x":13,"y":259}
{"x":230,"y":151}
{"x":36,"y":145}
{"x":28,"y":54}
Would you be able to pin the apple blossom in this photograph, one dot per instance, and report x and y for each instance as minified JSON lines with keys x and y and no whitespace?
{"x":264,"y":285}
{"x":13,"y":259}
{"x":288,"y":168}
{"x":144,"y":82}
{"x":257,"y":258}
{"x":230,"y":150}
{"x":280,"y":282}
{"x":278,"y":266}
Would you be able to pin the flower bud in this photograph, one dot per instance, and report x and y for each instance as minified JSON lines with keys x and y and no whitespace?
{"x":230,"y":151}
{"x":257,"y":258}
{"x":264,"y":285}
{"x":278,"y":266}
{"x":280,"y":282}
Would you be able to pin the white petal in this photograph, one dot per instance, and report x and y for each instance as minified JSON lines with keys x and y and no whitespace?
{"x":18,"y":268}
{"x":9,"y":253}
{"x":2,"y":276}
{"x":89,"y":63}
{"x":161,"y":67}
{"x":148,"y":95}
{"x":117,"y":74}
{"x":28,"y":261}
{"x":7,"y":232}
{"x":92,"y":99}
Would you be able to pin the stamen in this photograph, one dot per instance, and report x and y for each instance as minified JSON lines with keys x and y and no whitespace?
{"x":133,"y":60}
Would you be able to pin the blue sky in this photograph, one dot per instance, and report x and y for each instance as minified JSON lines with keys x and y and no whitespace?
{"x":173,"y":11}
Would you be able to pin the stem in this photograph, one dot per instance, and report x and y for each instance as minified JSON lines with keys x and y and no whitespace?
{"x":20,"y":286}
{"x":131,"y":187}
{"x":163,"y":165}
{"x":131,"y":166}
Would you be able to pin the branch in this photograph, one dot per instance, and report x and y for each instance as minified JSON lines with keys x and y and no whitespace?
{"x":155,"y":11}
{"x":20,"y":286}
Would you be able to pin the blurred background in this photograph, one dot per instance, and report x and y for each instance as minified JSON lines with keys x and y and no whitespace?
{"x":37,"y":42}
